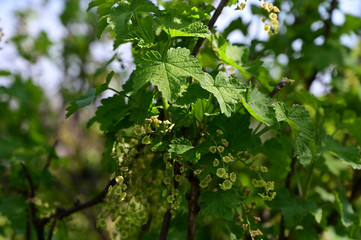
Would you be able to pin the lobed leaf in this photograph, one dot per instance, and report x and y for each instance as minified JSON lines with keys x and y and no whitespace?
{"x":258,"y":105}
{"x":227,"y":91}
{"x":300,"y":122}
{"x":169,"y":74}
{"x":219,"y":204}
{"x":350,"y":155}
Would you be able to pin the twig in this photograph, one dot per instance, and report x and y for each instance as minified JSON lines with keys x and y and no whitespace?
{"x":168,"y":216}
{"x":165,"y":225}
{"x":37,"y":224}
{"x":211,"y":23}
{"x":279,"y":86}
{"x":52,"y":228}
{"x":28,"y":178}
{"x":193,"y":207}
{"x":62,"y":213}
{"x":288,"y":187}
{"x":51,"y":155}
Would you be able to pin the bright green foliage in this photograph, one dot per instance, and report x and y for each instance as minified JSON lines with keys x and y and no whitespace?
{"x":178,"y":27}
{"x":170,"y":74}
{"x":83,"y":101}
{"x":345,"y":209}
{"x":258,"y":105}
{"x":219,"y":204}
{"x":350,"y":155}
{"x":293,"y":208}
{"x":300,"y":122}
{"x":227,"y":91}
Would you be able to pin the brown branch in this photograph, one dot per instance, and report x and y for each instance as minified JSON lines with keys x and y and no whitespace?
{"x":326,"y":34}
{"x":28,"y":178}
{"x":211,"y":23}
{"x":165,"y":225}
{"x":168,"y":216}
{"x":279,"y":86}
{"x":51,"y":155}
{"x":288,"y":187}
{"x":37,"y":224}
{"x":52,"y":228}
{"x":62,"y":213}
{"x":193,"y":207}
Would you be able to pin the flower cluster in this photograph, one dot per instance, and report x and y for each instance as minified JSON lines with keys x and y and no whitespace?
{"x":273,"y":27}
{"x":119,"y":188}
{"x":154,"y":126}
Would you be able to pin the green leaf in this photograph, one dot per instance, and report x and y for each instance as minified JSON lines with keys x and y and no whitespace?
{"x":143,"y":107}
{"x":219,"y":204}
{"x":293,"y":208}
{"x":353,"y":124}
{"x":226,"y":89}
{"x":183,"y":148}
{"x":105,"y":85}
{"x":350,"y":155}
{"x":4,"y":73}
{"x":300,"y":122}
{"x":191,"y":95}
{"x":81,"y":102}
{"x":111,"y":112}
{"x":179,"y":146}
{"x":89,"y":97}
{"x":119,"y":17}
{"x":15,"y":208}
{"x":175,"y":26}
{"x":232,"y":54}
{"x":258,"y":105}
{"x":344,"y":208}
{"x":235,"y":130}
{"x":159,"y":145}
{"x":169,"y":74}
{"x":278,"y":156}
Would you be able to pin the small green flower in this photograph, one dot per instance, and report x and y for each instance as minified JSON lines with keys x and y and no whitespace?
{"x":213,"y":149}
{"x":264,"y":169}
{"x":167,"y":180}
{"x":221,"y":172}
{"x":254,"y":167}
{"x":270,"y":186}
{"x":197,"y":172}
{"x":146,"y":140}
{"x":225,"y":142}
{"x":226,"y":185}
{"x":203,"y":184}
{"x":208,"y":178}
{"x":226,"y":159}
{"x":219,"y":132}
{"x":139,"y":130}
{"x":220,"y":149}
{"x":178,"y":177}
{"x":119,"y":179}
{"x":215,"y":162}
{"x":233,"y":176}
{"x":170,"y":199}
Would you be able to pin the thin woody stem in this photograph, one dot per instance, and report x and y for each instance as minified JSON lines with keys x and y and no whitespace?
{"x":211,"y":23}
